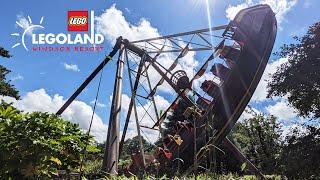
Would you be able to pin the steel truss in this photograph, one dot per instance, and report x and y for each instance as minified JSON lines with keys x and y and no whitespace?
{"x":200,"y":40}
{"x":144,"y":56}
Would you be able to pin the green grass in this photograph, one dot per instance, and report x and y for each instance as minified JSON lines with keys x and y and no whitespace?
{"x":200,"y":177}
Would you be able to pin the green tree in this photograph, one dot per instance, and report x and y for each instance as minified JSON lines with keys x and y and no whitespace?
{"x":6,"y":89}
{"x":299,"y":78}
{"x":34,"y":145}
{"x":301,"y":154}
{"x":259,"y":139}
{"x":131,"y":146}
{"x":4,"y":53}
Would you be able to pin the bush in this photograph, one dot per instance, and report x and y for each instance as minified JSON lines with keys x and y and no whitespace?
{"x":38,"y":144}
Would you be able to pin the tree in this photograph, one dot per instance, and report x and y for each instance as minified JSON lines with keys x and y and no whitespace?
{"x":4,"y":53}
{"x":34,"y":145}
{"x":132,"y":163}
{"x":259,"y":139}
{"x":131,"y":146}
{"x":299,"y":78}
{"x":301,"y":154}
{"x":6,"y":89}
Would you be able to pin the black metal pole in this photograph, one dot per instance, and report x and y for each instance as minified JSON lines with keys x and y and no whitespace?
{"x":90,"y":77}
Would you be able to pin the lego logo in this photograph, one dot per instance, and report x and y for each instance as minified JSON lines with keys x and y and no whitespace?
{"x":78,"y":21}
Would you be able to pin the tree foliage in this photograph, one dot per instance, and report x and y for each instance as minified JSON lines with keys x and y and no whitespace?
{"x":131,"y":146}
{"x":6,"y":89}
{"x":259,"y":139}
{"x":299,"y":78}
{"x":34,"y":145}
{"x":4,"y":53}
{"x":301,"y":154}
{"x":295,"y":156}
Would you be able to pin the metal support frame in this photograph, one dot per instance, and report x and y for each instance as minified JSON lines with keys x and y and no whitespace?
{"x":215,"y":54}
{"x":133,"y":96}
{"x":175,"y":39}
{"x":195,"y":146}
{"x":111,"y":154}
{"x":132,"y":100}
{"x":226,"y":141}
{"x":153,"y":101}
{"x":168,"y":44}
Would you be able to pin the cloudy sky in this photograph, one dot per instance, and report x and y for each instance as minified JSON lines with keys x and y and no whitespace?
{"x":45,"y":80}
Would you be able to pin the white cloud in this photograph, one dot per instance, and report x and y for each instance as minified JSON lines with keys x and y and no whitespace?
{"x":198,"y":82}
{"x":232,"y":11}
{"x":112,"y":24}
{"x":121,"y":27}
{"x":24,"y":23}
{"x":17,"y":77}
{"x":282,"y":110}
{"x":78,"y":112}
{"x":71,"y":67}
{"x":101,"y":105}
{"x":261,"y":92}
{"x":248,"y":113}
{"x":280,"y":7}
{"x":128,"y":10}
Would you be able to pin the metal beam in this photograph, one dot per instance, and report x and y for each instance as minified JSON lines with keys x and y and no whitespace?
{"x":173,"y":65}
{"x":213,"y":56}
{"x":137,"y":118}
{"x":90,"y":77}
{"x":111,"y":154}
{"x":178,"y":50}
{"x":237,"y":153}
{"x":184,"y":33}
{"x":154,"y":102}
{"x":132,"y":100}
{"x":140,"y":52}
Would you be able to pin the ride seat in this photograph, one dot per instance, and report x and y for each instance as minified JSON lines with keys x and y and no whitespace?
{"x":220,"y":71}
{"x":209,"y":87}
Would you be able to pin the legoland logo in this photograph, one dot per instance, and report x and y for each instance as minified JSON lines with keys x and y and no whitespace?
{"x":78,"y":21}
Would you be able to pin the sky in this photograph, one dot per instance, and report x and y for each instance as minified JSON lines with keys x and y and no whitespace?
{"x":46,"y":79}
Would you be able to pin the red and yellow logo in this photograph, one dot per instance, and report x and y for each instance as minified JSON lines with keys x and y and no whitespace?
{"x":77,"y":20}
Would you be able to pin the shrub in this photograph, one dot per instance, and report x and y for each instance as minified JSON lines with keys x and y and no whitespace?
{"x":39,"y":144}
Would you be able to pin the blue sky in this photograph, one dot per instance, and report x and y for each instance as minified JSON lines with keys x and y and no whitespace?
{"x":41,"y":76}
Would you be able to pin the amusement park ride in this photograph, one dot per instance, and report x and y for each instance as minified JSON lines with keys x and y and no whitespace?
{"x":237,"y":59}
